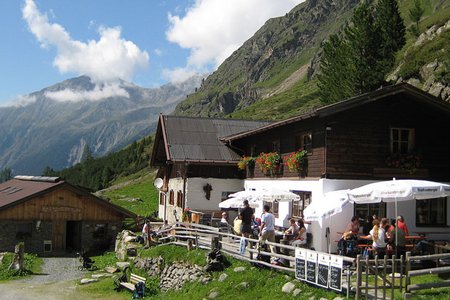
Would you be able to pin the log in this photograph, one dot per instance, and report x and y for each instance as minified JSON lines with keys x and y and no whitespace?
{"x":429,"y":285}
{"x":17,"y":262}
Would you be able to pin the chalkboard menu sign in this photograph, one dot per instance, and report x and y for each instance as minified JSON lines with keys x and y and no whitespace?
{"x":300,"y":263}
{"x":336,"y":266}
{"x":322,"y":270}
{"x":311,"y":266}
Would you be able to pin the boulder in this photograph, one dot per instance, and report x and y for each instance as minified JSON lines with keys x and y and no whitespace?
{"x":296,"y":292}
{"x":288,"y":287}
{"x":239,"y":269}
{"x":122,"y":264}
{"x":222,"y":277}
{"x":88,"y":280}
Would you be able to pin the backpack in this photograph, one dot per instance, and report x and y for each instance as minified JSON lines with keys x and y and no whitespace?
{"x":139,"y":290}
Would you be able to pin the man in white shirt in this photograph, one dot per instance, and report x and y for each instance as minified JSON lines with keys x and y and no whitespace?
{"x":267,"y":231}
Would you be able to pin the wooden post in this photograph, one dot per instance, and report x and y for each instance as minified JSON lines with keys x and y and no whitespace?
{"x":17,"y":262}
{"x":358,"y":277}
{"x":215,"y":242}
{"x":407,"y":295}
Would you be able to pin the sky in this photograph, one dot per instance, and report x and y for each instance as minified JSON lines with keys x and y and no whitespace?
{"x":146,"y":42}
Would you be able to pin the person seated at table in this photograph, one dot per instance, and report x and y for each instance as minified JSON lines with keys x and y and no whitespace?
{"x":292,"y":232}
{"x":396,"y":241}
{"x":353,"y":226}
{"x":300,"y":240}
{"x":401,"y":224}
{"x":378,"y":237}
{"x":367,"y":225}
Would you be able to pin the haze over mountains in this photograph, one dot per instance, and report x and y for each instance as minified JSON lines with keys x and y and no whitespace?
{"x":271,"y":76}
{"x":54,"y":125}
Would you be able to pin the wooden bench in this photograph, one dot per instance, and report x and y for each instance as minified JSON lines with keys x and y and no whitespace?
{"x":134,"y":279}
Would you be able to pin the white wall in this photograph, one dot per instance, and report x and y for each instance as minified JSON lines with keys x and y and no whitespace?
{"x":195,"y":197}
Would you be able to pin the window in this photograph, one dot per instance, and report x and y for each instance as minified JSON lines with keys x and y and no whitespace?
{"x":180,"y":199}
{"x":304,"y":141}
{"x":431,"y":212}
{"x":273,"y":207}
{"x":253,"y":150}
{"x":161,"y":198}
{"x":171,"y":197}
{"x":100,"y":230}
{"x":364,"y":210}
{"x":276,"y":146}
{"x":298,"y":206}
{"x":402,"y":140}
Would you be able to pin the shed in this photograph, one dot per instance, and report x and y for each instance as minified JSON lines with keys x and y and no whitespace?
{"x":52,"y":217}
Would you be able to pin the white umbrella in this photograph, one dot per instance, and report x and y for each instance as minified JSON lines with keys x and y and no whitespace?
{"x":398,"y":190}
{"x":275,"y":194}
{"x":332,"y":203}
{"x":237,"y":203}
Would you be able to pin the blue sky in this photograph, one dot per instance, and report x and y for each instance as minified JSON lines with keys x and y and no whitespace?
{"x":147,"y":42}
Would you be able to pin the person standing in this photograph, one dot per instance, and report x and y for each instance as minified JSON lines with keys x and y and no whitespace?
{"x":267,"y":232}
{"x":246,"y":216}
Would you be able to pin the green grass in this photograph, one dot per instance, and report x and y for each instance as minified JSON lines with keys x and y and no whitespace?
{"x":140,"y":187}
{"x":32,"y":264}
{"x":263,"y":284}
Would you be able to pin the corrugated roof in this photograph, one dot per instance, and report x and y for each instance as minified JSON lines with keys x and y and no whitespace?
{"x":198,"y":139}
{"x":23,"y":188}
{"x":17,"y":189}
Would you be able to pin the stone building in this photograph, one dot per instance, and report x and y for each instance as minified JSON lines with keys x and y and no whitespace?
{"x":52,"y":217}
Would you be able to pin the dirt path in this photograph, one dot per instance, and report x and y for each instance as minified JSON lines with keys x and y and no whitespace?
{"x":57,"y":281}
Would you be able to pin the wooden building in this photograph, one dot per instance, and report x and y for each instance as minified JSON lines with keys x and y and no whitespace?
{"x":397,"y":131}
{"x":52,"y":216}
{"x":197,"y":168}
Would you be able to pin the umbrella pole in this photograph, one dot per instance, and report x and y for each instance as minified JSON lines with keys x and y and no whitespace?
{"x":396,"y":230}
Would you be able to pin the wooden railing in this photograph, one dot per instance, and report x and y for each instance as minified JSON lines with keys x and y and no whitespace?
{"x":375,"y":278}
{"x":437,"y":270}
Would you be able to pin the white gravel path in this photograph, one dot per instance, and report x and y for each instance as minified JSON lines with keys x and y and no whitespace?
{"x":56,"y":282}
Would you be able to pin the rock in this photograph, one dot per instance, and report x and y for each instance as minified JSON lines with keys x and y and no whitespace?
{"x":205,"y":280}
{"x":338,"y":298}
{"x":122,"y":264}
{"x":296,"y":292}
{"x":239,"y":269}
{"x":222,"y":277}
{"x":287,"y":277}
{"x":111,"y":270}
{"x":213,"y":295}
{"x":436,"y":89}
{"x":243,"y":285}
{"x":129,"y":239}
{"x":131,"y":251}
{"x":101,"y":275}
{"x":288,"y":287}
{"x":88,"y":280}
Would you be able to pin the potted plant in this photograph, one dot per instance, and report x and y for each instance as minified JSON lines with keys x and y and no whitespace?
{"x":247,"y":163}
{"x":408,"y":161}
{"x":269,"y":163}
{"x":296,"y":161}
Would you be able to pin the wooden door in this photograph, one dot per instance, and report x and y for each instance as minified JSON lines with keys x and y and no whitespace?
{"x":58,"y":236}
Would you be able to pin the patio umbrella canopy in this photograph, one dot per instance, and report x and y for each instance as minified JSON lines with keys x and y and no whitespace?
{"x":332,"y":203}
{"x":398,"y":190}
{"x":237,"y":203}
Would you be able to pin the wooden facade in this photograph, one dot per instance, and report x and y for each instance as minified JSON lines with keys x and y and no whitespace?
{"x":56,"y":217}
{"x":353,"y":141}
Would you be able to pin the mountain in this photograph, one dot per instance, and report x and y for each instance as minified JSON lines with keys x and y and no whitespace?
{"x":46,"y":131}
{"x":272,"y":75}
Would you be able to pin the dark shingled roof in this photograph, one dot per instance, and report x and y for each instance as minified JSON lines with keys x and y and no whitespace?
{"x":198,"y":139}
{"x":24,"y":188}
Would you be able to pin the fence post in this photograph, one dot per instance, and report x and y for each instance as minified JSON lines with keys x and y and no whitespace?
{"x":358,"y":277}
{"x":348,"y":282}
{"x":407,"y":295}
{"x":215,"y":242}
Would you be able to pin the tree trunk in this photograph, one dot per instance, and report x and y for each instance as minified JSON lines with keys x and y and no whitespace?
{"x":17,"y":262}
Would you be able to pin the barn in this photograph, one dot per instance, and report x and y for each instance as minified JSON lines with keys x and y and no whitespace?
{"x":53,"y":217}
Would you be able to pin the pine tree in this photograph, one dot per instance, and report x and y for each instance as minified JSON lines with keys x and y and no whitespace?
{"x":416,"y":13}
{"x":5,"y":174}
{"x":390,"y":25}
{"x":357,"y":61}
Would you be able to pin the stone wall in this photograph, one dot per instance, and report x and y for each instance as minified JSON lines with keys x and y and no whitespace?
{"x":94,"y":238}
{"x":13,"y":232}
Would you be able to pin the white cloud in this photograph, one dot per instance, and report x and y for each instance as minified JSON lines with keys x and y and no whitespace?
{"x":158,"y":52}
{"x":213,"y":29}
{"x":179,"y":74}
{"x":20,"y":101}
{"x":109,"y":58}
{"x":98,"y":93}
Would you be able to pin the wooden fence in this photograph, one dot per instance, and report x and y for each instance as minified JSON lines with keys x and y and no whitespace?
{"x":436,"y":258}
{"x":375,"y":278}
